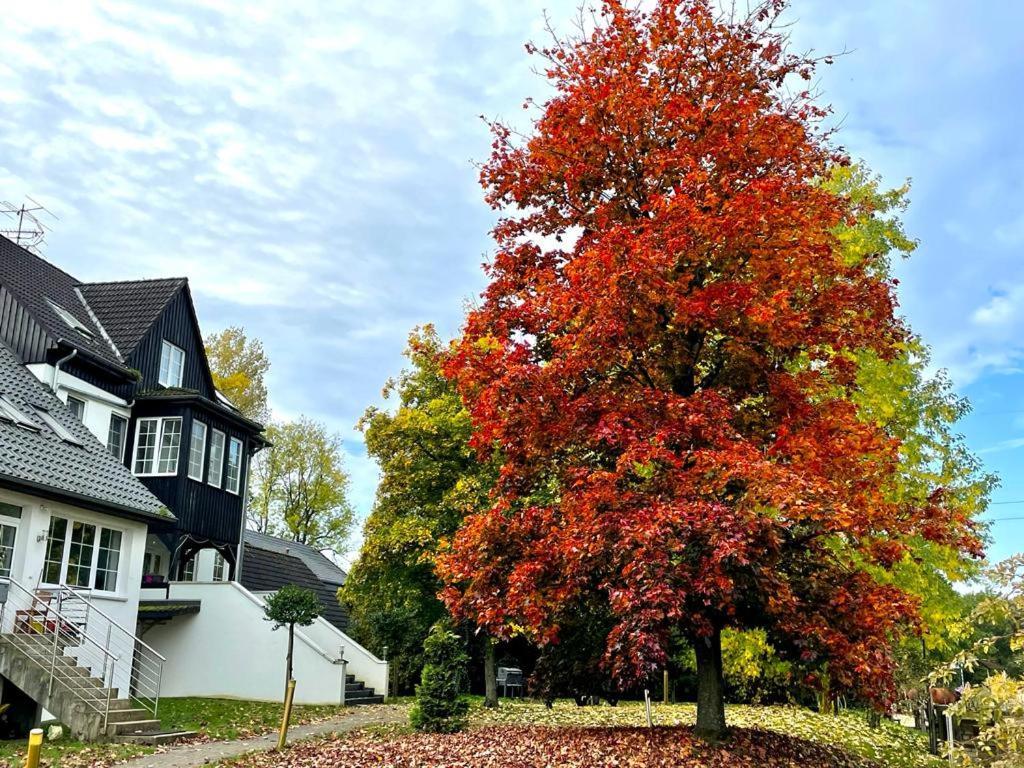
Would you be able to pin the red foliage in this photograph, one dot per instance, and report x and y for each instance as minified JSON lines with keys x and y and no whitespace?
{"x":663,"y":358}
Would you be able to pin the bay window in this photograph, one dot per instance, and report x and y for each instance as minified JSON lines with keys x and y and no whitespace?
{"x":157,"y":444}
{"x":82,"y":554}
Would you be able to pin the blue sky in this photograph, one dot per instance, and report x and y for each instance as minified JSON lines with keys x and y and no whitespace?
{"x":308,"y":165}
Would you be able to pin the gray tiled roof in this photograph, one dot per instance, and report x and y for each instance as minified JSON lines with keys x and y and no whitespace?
{"x":315,"y":560}
{"x":128,"y":308}
{"x":32,"y":280}
{"x":264,"y":570}
{"x":37,"y":459}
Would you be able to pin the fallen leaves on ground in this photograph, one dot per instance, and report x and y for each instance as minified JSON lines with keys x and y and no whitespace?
{"x":891,"y":744}
{"x":546,"y":747}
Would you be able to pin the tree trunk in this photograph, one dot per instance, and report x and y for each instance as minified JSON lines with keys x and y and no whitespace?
{"x":710,"y":687}
{"x":490,"y":674}
{"x":291,"y":646}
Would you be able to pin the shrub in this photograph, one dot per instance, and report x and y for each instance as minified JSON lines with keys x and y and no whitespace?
{"x":440,"y":705}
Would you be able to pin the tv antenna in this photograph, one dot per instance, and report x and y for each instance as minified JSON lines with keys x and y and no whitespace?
{"x":27,"y":229}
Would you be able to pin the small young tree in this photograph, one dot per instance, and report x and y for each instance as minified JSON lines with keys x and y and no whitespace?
{"x":440,"y":705}
{"x":290,"y":606}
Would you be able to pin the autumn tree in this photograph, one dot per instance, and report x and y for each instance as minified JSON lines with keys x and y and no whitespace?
{"x":301,"y":486}
{"x":665,"y":357}
{"x":430,"y":479}
{"x":239,"y":367}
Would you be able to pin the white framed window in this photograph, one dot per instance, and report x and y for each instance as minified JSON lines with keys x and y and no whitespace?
{"x":234,"y":473}
{"x":172,"y":364}
{"x":220,"y":568}
{"x":197,"y":451}
{"x":157,"y":445}
{"x":77,"y":406}
{"x":216,"y":472}
{"x":117,"y":432}
{"x":82,"y":554}
{"x":188,"y":573}
{"x":151,"y":563}
{"x":10,"y":517}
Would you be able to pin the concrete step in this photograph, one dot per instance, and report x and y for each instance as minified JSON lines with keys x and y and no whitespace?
{"x":155,"y":739}
{"x":352,"y":687}
{"x":127,"y":715}
{"x":133,"y":728}
{"x":367,"y":697}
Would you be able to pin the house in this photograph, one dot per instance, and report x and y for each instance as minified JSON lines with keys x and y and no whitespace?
{"x":73,"y":526}
{"x":127,"y":360}
{"x":271,"y":562}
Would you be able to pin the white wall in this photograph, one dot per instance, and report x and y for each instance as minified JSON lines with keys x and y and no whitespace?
{"x":121,"y":605}
{"x":99,"y":404}
{"x":230,"y":650}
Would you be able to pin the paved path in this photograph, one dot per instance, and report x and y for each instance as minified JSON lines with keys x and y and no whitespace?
{"x":191,"y":755}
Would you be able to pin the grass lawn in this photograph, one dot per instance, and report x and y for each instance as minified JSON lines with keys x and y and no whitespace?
{"x":214,"y":719}
{"x":218,"y":719}
{"x":525,"y":734}
{"x":68,"y":753}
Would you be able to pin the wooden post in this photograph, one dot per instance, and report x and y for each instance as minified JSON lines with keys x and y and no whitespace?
{"x":35,"y":745}
{"x":288,"y":697}
{"x":664,"y":687}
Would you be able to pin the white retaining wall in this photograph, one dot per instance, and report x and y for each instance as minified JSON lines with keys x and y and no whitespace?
{"x":230,"y":650}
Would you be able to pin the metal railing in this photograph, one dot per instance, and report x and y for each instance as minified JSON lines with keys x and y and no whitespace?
{"x":80,"y":647}
{"x":142,"y":667}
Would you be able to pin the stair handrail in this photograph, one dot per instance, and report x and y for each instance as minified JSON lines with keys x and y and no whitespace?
{"x":145,"y":675}
{"x":57,"y":614}
{"x":60,"y":626}
{"x":93,"y":607}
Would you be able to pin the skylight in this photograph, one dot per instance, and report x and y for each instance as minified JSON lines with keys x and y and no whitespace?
{"x":70,"y":319}
{"x":9,"y":412}
{"x":58,"y":429}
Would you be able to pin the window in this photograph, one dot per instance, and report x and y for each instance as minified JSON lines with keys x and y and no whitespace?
{"x":172,"y":364}
{"x":234,"y":464}
{"x":10,"y":412}
{"x":77,"y":406}
{"x":116,"y":434}
{"x":151,"y":564}
{"x":216,"y":458}
{"x":220,"y":568}
{"x":188,"y":573}
{"x":79,"y":557}
{"x":157,"y":444}
{"x":56,"y":427}
{"x":70,"y":319}
{"x":82,"y":555}
{"x":108,"y":560}
{"x":9,"y":516}
{"x":197,"y":451}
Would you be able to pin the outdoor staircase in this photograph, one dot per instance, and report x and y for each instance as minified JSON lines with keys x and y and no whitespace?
{"x":65,"y":655}
{"x":356,"y":693}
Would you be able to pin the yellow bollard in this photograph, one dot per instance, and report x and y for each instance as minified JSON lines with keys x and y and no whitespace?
{"x":35,"y":744}
{"x":288,"y":696}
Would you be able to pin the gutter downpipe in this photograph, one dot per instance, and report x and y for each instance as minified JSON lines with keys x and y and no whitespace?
{"x":57,"y":365}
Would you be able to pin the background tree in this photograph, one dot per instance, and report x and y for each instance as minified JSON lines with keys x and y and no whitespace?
{"x":666,"y":358}
{"x":430,"y":478}
{"x":440,"y":706}
{"x":239,"y":367}
{"x":289,"y":607}
{"x":301,"y":487}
